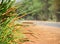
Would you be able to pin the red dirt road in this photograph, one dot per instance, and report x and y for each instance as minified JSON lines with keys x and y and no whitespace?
{"x":42,"y":34}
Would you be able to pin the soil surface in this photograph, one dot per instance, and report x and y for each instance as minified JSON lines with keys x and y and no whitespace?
{"x":41,"y":34}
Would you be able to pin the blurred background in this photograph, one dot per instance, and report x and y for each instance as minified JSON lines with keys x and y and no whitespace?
{"x":43,"y":10}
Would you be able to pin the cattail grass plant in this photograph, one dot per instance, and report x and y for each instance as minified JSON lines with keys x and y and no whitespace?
{"x":8,"y":32}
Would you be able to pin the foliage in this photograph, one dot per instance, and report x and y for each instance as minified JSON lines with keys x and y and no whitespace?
{"x":57,"y":9}
{"x":37,"y":9}
{"x":7,"y":26}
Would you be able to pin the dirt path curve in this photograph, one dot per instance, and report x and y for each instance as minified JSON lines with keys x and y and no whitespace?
{"x":42,"y":34}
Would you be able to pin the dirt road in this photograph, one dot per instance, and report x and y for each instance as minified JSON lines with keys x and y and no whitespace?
{"x":42,"y":34}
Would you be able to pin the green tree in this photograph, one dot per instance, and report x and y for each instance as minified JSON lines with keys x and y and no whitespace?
{"x":37,"y":9}
{"x":29,"y":6}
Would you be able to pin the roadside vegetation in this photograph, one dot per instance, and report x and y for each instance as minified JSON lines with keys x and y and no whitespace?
{"x":43,"y":10}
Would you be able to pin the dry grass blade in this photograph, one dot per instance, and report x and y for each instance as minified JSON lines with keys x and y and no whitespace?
{"x":9,"y":10}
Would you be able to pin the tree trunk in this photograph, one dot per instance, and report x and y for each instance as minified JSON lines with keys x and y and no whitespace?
{"x":46,"y":11}
{"x":57,"y":9}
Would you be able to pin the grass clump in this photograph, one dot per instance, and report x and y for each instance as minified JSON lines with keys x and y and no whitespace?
{"x":8,"y":32}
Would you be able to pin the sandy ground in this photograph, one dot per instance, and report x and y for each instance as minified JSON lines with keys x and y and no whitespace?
{"x":42,"y":34}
